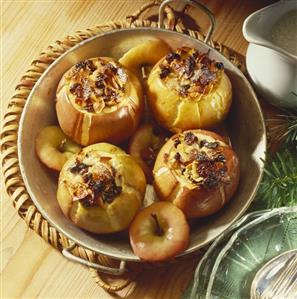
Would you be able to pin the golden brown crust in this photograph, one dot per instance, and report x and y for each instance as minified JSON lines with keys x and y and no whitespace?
{"x":188,"y":91}
{"x":95,"y":105}
{"x":101,"y":188}
{"x":199,"y":174}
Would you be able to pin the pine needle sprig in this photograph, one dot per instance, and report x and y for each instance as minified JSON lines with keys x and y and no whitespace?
{"x":279,"y":184}
{"x":283,"y":126}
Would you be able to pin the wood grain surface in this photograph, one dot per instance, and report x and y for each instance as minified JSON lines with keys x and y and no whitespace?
{"x":30,"y":268}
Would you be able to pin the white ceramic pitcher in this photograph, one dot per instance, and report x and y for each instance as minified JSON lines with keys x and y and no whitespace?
{"x":272,"y":68}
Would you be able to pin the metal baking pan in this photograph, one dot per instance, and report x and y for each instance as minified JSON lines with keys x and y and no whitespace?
{"x":245,"y":126}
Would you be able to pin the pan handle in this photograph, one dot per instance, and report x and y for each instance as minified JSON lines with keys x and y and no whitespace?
{"x":113,"y":271}
{"x":194,"y":4}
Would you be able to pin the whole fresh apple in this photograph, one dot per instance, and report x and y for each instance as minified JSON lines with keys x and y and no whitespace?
{"x":159,"y":232}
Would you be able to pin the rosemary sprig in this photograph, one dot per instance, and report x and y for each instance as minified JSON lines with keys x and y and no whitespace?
{"x":279,"y":184}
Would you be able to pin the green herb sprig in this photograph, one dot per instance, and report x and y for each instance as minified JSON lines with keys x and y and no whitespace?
{"x":284,"y":127}
{"x":279,"y":184}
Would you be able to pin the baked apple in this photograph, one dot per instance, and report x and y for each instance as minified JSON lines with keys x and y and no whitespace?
{"x":197,"y":171}
{"x":159,"y":232}
{"x":99,"y":100}
{"x":54,"y":148}
{"x":188,"y":90}
{"x":101,"y":188}
{"x":144,"y":147}
{"x":146,"y":53}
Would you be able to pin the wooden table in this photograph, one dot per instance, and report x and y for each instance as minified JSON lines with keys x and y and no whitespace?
{"x":31,"y":268}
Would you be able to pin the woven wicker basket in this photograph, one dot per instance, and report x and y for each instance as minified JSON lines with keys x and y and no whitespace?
{"x":13,"y":180}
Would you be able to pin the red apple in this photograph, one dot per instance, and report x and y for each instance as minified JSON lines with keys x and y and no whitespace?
{"x":159,"y":232}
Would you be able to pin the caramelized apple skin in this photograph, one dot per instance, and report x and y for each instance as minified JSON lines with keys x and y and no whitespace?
{"x":105,"y":119}
{"x":197,"y":196}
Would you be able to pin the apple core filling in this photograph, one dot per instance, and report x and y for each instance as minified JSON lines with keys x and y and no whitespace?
{"x":199,"y":161}
{"x":190,"y":73}
{"x":93,"y":181}
{"x":96,"y":84}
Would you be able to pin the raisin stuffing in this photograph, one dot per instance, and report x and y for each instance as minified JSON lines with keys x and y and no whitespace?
{"x":77,"y":89}
{"x":88,"y":201}
{"x":172,"y":56}
{"x":87,"y":64}
{"x":108,"y":85}
{"x":107,"y":191}
{"x":176,"y":142}
{"x":204,"y":163}
{"x":81,"y":65}
{"x":219,"y":65}
{"x":90,"y":65}
{"x":109,"y":194}
{"x":212,"y":172}
{"x":177,"y":157}
{"x":190,"y":138}
{"x":220,"y":158}
{"x":78,"y":167}
{"x":189,"y":66}
{"x":164,"y":72}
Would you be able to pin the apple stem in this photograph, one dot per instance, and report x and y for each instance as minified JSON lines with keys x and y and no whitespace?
{"x":62,"y":145}
{"x":160,"y":231}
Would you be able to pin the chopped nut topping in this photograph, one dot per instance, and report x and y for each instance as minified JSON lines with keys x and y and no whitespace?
{"x":97,"y":185}
{"x":96,"y":84}
{"x":202,"y":163}
{"x":193,"y":73}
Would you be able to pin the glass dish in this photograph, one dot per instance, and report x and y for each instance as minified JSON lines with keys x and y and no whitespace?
{"x":204,"y":268}
{"x":231,"y":262}
{"x":249,"y":248}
